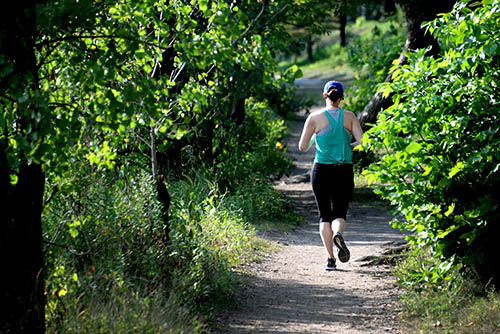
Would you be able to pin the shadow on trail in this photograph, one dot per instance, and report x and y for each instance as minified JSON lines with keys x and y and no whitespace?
{"x":366,"y":225}
{"x":300,"y":305}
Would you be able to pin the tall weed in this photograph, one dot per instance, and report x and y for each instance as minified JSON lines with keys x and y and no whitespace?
{"x":452,"y":303}
{"x":108,"y":264}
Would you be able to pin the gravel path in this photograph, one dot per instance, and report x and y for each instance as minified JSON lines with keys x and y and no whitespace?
{"x":290,"y":292}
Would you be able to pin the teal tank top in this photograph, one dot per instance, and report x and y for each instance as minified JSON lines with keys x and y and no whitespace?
{"x":333,"y":143}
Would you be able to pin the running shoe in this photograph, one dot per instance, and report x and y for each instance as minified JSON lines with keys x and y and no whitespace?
{"x":330,"y":264}
{"x":343,"y":252}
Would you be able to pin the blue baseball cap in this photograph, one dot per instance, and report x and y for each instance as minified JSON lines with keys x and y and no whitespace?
{"x":333,"y":84}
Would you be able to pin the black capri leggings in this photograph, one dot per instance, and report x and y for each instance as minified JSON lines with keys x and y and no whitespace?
{"x":333,"y":186}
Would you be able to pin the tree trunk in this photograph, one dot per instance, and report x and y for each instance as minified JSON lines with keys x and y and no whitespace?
{"x":343,"y":23}
{"x":309,"y":47}
{"x":164,"y":198}
{"x":238,"y":111}
{"x":161,"y":190}
{"x":22,"y":291}
{"x":22,"y":288}
{"x":416,"y":12}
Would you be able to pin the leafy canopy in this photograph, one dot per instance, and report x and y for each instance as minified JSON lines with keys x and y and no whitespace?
{"x":122,"y":69}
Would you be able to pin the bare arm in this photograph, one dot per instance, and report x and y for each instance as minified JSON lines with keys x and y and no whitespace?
{"x":356,"y":131}
{"x":307,"y":134}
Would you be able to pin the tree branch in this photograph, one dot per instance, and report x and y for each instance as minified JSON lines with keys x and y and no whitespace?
{"x":68,"y":248}
{"x":77,"y":37}
{"x":54,"y":191}
{"x":157,"y":61}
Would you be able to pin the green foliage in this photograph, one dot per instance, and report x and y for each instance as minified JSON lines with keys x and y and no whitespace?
{"x":441,"y":140}
{"x":106,"y":252}
{"x":102,"y":234}
{"x":260,"y":204}
{"x":332,"y":55}
{"x":452,"y":305}
{"x":109,"y":78}
{"x":208,"y":242}
{"x":253,"y":151}
{"x":105,"y":245}
{"x":371,"y":55}
{"x":420,"y":272}
{"x":124,"y":313}
{"x":136,"y":69}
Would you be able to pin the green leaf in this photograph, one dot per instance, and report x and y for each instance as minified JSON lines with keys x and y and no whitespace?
{"x":443,"y":234}
{"x":203,"y":5}
{"x":450,"y":210}
{"x":13,"y":179}
{"x":414,"y":147}
{"x":461,"y":32}
{"x":187,"y":9}
{"x":387,"y":90}
{"x":73,"y":232}
{"x":140,"y":53}
{"x":457,"y":168}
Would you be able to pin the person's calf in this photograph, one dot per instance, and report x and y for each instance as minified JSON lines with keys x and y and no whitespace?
{"x":326,"y":233}
{"x":338,"y":225}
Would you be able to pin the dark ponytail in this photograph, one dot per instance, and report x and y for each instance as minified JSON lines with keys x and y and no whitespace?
{"x":334,"y":94}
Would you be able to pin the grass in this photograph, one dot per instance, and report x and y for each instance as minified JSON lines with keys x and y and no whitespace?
{"x":128,"y":313}
{"x":456,"y":305}
{"x":281,"y":226}
{"x":330,"y":59}
{"x":131,"y":283}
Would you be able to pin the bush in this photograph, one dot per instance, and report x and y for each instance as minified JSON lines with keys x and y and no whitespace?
{"x":208,"y":242}
{"x":371,"y":55}
{"x":441,"y":139}
{"x":253,"y":151}
{"x":260,"y":204}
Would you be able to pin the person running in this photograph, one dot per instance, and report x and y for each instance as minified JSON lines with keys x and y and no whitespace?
{"x":332,"y":174}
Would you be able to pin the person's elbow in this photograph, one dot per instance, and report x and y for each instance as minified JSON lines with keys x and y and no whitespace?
{"x":302,"y":147}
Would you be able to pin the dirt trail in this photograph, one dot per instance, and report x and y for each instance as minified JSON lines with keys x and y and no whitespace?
{"x":290,"y":292}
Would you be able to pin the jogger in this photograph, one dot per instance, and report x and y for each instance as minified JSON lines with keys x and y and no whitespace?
{"x":332,"y":175}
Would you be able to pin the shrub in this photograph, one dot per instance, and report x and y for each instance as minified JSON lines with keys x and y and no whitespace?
{"x":253,"y":151}
{"x":108,"y":265}
{"x":103,"y":236}
{"x":441,"y":139}
{"x":259,"y":203}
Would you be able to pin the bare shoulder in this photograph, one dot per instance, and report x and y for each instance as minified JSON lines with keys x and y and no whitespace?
{"x":314,"y":116}
{"x":349,"y":113}
{"x":316,"y":113}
